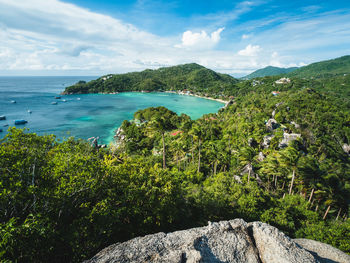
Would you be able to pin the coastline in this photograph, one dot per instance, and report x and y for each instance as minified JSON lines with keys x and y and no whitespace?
{"x":194,"y":95}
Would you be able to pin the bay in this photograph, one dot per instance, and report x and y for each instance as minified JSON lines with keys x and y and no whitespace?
{"x":83,"y":116}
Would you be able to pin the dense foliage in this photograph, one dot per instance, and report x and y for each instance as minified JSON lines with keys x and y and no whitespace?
{"x":328,"y":68}
{"x":269,"y":71}
{"x":189,"y":76}
{"x":62,"y":201}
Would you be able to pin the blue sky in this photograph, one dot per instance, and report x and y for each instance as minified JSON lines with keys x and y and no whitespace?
{"x":90,"y":37}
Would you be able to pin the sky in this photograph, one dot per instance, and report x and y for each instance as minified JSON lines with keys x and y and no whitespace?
{"x":97,"y":37}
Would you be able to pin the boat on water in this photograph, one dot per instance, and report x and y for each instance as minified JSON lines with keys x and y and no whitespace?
{"x":2,"y":117}
{"x":64,"y":100}
{"x":13,"y":101}
{"x":54,"y":103}
{"x":19,"y":122}
{"x":78,"y":98}
{"x":0,"y":130}
{"x":29,"y":111}
{"x":57,"y":97}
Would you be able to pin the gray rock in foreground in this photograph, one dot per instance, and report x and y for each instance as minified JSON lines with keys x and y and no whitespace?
{"x":225,"y":241}
{"x":323,"y":252}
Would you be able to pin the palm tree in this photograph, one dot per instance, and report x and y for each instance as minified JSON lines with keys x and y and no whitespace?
{"x":288,"y":158}
{"x":246,"y":157}
{"x":161,"y":125}
{"x":198,"y":134}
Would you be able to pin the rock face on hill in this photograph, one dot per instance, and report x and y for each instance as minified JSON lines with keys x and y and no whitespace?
{"x":225,"y":241}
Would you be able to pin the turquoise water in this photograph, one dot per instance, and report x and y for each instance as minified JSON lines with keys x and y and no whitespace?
{"x":83,"y":116}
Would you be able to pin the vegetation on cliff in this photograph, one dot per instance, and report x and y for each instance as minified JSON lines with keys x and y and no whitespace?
{"x":189,"y":76}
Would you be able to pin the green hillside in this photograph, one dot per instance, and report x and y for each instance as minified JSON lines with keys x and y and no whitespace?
{"x":283,"y":160}
{"x":326,"y":68}
{"x":269,"y":71}
{"x":187,"y":76}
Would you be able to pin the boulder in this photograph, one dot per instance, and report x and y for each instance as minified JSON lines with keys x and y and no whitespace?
{"x":276,"y":247}
{"x":225,"y":241}
{"x":287,"y":138}
{"x":346,"y":148}
{"x":271,"y":125}
{"x":324,"y":253}
{"x":266,"y":141}
{"x":261,"y":157}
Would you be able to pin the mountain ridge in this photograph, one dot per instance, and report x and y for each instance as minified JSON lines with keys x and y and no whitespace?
{"x":269,"y":71}
{"x":186,"y":76}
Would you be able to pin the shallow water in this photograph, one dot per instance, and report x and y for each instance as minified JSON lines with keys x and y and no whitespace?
{"x":83,"y":116}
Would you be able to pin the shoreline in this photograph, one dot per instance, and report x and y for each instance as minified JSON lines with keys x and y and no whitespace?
{"x":167,"y":91}
{"x":198,"y":96}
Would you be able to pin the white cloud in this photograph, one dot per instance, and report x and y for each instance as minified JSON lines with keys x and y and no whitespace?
{"x":245,"y":36}
{"x":200,"y":40}
{"x":250,"y":51}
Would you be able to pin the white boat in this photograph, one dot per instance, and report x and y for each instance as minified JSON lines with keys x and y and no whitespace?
{"x":54,"y":103}
{"x":2,"y":117}
{"x":29,"y":111}
{"x":78,"y":98}
{"x":64,"y":100}
{"x":13,"y":101}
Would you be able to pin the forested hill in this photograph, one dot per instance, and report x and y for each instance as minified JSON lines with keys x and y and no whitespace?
{"x":188,"y":76}
{"x":269,"y":71}
{"x":337,"y":66}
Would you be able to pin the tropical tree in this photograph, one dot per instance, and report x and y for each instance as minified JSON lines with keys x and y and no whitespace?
{"x":288,"y":159}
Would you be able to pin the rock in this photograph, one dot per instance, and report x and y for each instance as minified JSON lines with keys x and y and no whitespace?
{"x":237,"y":179}
{"x":261,"y":157}
{"x":267,"y":140}
{"x":346,"y":148}
{"x":276,"y":247}
{"x":287,"y":138}
{"x":252,"y":142}
{"x":225,"y":241}
{"x":296,"y":125}
{"x":324,"y":253}
{"x":271,"y":125}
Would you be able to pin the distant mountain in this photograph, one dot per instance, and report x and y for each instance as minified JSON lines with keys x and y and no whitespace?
{"x":325,"y":68}
{"x":188,"y":76}
{"x":269,"y":71}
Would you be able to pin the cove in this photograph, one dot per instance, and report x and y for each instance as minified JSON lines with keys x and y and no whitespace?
{"x":93,"y":115}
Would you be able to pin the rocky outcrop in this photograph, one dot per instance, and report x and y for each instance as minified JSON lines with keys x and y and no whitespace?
{"x":346,"y":148}
{"x":324,"y":253}
{"x":226,"y":241}
{"x":271,"y":125}
{"x":266,"y":141}
{"x":288,"y":138}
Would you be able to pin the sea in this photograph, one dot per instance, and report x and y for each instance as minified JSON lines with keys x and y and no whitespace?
{"x":82,"y":116}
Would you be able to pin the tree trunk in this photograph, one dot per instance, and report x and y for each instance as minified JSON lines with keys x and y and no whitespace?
{"x":338,"y":214}
{"x":283,"y":185}
{"x":312,"y":193}
{"x":325,"y":214}
{"x":199,"y":156}
{"x":276,"y":181}
{"x":164,"y":165}
{"x":192,"y":155}
{"x":177,"y":161}
{"x":292,"y":182}
{"x":215,"y":166}
{"x":248,"y":174}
